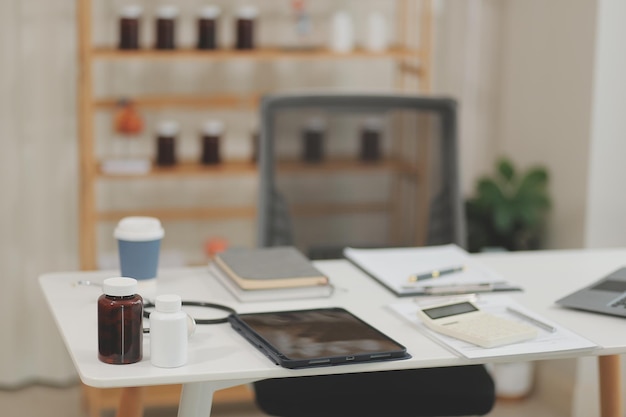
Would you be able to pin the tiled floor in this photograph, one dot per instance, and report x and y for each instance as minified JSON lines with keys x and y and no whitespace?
{"x":42,"y":401}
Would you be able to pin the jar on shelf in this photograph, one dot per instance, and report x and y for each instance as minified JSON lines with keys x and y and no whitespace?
{"x":166,"y":133}
{"x":207,"y":27}
{"x":129,"y":26}
{"x":212,"y":131}
{"x":371,"y":134}
{"x":246,"y":17}
{"x":166,"y":27}
{"x":313,"y":140}
{"x":120,"y":322}
{"x":376,"y":37}
{"x":342,"y":38}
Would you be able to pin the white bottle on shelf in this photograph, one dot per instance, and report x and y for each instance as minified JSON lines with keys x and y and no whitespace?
{"x":342,"y":32}
{"x":168,"y":332}
{"x":376,"y":37}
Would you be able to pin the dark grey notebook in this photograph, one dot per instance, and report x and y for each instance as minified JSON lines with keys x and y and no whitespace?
{"x":274,"y":267}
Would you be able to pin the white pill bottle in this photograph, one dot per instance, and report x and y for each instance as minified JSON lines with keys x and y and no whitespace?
{"x":168,"y":332}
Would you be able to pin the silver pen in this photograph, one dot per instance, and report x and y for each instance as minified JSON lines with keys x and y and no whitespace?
{"x":532,"y":320}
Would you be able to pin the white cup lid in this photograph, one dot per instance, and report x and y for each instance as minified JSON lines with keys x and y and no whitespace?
{"x":168,"y":303}
{"x":213,"y":127}
{"x":119,"y":286}
{"x":139,"y":228}
{"x":167,"y":12}
{"x":131,"y":11}
{"x":209,"y":12}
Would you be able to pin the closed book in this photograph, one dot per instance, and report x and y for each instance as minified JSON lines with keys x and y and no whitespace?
{"x":274,"y":267}
{"x":272,"y":294}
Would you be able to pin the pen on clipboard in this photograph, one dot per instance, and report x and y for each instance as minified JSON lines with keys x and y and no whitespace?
{"x":435,"y":273}
{"x":532,"y":320}
{"x":456,"y":289}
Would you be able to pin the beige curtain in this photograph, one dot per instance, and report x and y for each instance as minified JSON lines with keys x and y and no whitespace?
{"x":38,"y":182}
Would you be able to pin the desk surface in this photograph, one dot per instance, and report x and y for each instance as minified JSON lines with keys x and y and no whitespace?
{"x":219,"y":354}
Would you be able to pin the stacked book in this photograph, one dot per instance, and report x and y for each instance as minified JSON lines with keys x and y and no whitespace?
{"x":267,"y":274}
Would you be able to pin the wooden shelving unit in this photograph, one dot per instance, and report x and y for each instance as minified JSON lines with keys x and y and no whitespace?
{"x":412,"y":63}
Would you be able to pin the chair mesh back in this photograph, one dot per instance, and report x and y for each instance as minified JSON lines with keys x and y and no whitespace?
{"x":358,"y":170}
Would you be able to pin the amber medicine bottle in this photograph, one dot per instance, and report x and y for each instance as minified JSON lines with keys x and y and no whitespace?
{"x":211,"y":135}
{"x":129,"y":26}
{"x":120,"y":326}
{"x":166,"y":27}
{"x":207,"y":27}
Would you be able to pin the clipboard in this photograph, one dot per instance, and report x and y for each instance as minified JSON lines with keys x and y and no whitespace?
{"x":396,"y":269}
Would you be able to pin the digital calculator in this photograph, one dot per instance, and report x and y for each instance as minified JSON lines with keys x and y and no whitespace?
{"x":465,"y":321}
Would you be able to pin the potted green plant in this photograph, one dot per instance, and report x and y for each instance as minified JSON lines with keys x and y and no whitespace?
{"x":508,"y":210}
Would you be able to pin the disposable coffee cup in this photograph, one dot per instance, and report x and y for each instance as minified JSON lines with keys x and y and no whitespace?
{"x":139,"y":244}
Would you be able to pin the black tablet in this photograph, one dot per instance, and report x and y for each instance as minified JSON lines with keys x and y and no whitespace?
{"x":316,"y":337}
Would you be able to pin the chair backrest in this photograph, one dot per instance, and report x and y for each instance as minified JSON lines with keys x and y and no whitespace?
{"x":360,"y":170}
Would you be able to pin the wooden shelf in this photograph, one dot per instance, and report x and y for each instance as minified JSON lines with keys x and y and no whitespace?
{"x":169,"y":214}
{"x":190,"y":169}
{"x":196,"y":101}
{"x":230,"y":168}
{"x":413,"y":25}
{"x":259,"y":54}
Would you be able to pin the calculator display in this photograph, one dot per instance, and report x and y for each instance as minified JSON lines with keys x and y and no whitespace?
{"x":449,"y":310}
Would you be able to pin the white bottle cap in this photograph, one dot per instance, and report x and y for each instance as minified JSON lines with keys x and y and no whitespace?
{"x":168,"y":128}
{"x":131,"y":11}
{"x":247,"y":12}
{"x":213,"y":127}
{"x":120,"y":286}
{"x":167,"y":12}
{"x":138,"y":229}
{"x":168,"y":303}
{"x":209,"y":12}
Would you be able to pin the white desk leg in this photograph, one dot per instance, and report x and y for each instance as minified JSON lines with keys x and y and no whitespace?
{"x":610,"y":386}
{"x":196,"y":399}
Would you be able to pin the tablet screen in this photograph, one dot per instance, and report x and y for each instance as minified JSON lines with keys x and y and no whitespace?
{"x":320,"y":334}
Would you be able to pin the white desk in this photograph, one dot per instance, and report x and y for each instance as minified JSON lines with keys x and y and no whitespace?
{"x":220,"y":358}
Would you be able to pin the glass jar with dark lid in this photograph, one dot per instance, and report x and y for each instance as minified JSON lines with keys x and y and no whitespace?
{"x":371,"y":133}
{"x":246,"y":17}
{"x":167,"y":131}
{"x":207,"y":27}
{"x":212,"y":131}
{"x":129,"y":26}
{"x":313,"y":140}
{"x":166,"y":27}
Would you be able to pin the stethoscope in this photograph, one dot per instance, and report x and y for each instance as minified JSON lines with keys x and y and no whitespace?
{"x":192,"y":321}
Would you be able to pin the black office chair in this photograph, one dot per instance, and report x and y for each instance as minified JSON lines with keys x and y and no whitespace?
{"x":363,"y":170}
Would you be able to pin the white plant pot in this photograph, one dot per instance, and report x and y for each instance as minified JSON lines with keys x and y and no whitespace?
{"x":513,"y":380}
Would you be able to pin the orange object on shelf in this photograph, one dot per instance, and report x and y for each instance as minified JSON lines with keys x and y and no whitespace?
{"x":127,"y":120}
{"x":215,"y":245}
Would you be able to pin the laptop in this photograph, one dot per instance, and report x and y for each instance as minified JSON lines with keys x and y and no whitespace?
{"x":606,"y":296}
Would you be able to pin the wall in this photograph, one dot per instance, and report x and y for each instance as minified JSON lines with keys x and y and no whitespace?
{"x":545,"y":102}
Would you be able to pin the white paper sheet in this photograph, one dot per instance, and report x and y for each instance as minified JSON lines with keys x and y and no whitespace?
{"x":560,"y":340}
